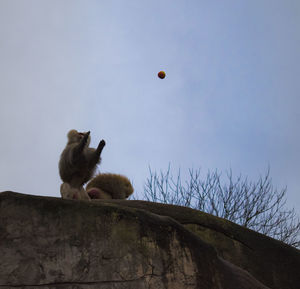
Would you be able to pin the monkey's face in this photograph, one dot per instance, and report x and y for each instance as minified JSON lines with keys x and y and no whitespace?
{"x":128,"y":189}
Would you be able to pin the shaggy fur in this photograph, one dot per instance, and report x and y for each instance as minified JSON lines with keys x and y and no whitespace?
{"x":109,"y":186}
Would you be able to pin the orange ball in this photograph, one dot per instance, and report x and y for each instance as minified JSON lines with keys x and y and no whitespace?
{"x":161,"y":74}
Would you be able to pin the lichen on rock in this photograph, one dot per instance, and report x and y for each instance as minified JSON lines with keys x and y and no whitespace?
{"x":54,"y":243}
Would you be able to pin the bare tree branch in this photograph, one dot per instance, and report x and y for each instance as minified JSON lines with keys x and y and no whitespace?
{"x":255,"y":205}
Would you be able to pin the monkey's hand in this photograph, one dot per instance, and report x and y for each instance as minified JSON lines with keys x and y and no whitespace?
{"x":85,"y":137}
{"x":100,"y":147}
{"x":83,"y":142}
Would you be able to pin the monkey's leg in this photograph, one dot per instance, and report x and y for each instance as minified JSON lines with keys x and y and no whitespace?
{"x":83,"y":195}
{"x":73,"y":193}
{"x":96,"y":155}
{"x":68,"y":192}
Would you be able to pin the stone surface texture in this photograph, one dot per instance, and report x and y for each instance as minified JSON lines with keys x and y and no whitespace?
{"x":49,"y":242}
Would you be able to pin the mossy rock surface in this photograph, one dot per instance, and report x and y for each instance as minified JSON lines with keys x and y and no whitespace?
{"x":53,"y":243}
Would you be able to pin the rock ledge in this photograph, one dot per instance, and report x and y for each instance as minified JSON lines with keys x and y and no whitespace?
{"x":54,"y":243}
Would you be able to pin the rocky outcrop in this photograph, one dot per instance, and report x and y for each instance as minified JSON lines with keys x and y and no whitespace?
{"x":53,"y":243}
{"x":270,"y":261}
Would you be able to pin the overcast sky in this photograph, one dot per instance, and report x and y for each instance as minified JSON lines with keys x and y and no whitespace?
{"x":230,"y":98}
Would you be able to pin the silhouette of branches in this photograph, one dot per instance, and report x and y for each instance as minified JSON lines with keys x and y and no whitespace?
{"x":255,"y":205}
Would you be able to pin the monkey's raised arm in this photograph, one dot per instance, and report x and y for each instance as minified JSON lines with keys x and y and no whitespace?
{"x":100,"y":147}
{"x":79,"y":148}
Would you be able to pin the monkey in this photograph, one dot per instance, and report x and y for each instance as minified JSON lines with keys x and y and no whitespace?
{"x":109,"y":186}
{"x":78,"y":163}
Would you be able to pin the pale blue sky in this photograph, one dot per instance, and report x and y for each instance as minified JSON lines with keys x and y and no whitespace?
{"x":230,"y":98}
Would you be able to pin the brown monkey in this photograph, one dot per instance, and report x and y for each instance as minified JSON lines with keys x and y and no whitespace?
{"x":78,"y":162}
{"x":109,"y":186}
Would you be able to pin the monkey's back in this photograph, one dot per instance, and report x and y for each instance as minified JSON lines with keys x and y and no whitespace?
{"x":77,"y":169}
{"x":118,"y":186}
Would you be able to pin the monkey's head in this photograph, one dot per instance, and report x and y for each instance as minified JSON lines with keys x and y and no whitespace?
{"x":75,"y":137}
{"x":128,"y":189}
